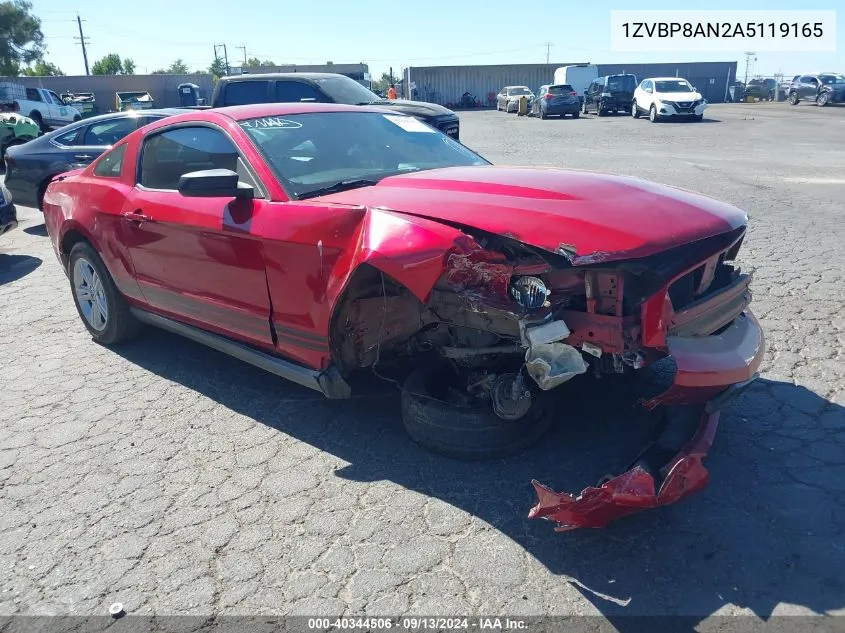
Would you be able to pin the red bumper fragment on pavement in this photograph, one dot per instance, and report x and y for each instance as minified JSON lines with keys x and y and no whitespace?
{"x":711,"y":370}
{"x":633,"y":490}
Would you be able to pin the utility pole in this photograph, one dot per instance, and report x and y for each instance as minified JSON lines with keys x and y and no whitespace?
{"x":548,"y":48}
{"x":243,"y":48}
{"x":748,"y":57}
{"x":391,"y":74}
{"x":81,"y":39}
{"x":225,"y":55}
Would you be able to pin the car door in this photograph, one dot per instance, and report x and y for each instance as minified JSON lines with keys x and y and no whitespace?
{"x":502,"y":98}
{"x":195,"y":258}
{"x":809,"y":87}
{"x":59,"y":111}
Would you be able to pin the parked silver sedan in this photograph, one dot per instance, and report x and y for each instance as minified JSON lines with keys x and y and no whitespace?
{"x":508,"y":98}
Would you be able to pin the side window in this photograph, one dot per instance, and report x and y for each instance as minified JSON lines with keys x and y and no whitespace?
{"x":296,"y":91}
{"x":245,"y":92}
{"x":55,"y":98}
{"x":72,"y":138}
{"x":108,"y":132}
{"x":110,"y":165}
{"x":33,"y":95}
{"x":167,"y":156}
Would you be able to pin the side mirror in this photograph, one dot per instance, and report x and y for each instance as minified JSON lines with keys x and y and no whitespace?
{"x":214,"y":183}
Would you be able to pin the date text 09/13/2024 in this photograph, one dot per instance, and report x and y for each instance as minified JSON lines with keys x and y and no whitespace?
{"x":418,"y":623}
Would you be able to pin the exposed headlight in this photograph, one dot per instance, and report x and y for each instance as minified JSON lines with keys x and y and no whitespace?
{"x":529,"y":292}
{"x":5,"y":195}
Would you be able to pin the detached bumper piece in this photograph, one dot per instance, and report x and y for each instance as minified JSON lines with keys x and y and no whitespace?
{"x":711,"y":371}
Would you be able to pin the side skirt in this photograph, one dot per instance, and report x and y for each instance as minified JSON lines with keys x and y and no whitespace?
{"x":329,"y":382}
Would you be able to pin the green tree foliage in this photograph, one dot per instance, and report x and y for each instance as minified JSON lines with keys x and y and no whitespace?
{"x":42,"y":68}
{"x":21,"y":39}
{"x":217,"y":68}
{"x":178,"y":68}
{"x":111,"y":64}
{"x":383,"y":83}
{"x":253,"y":63}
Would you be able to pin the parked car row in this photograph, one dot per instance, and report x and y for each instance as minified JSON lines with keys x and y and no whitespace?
{"x":658,"y":98}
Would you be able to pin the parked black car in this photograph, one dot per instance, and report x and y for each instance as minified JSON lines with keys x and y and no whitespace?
{"x":323,"y":88}
{"x":8,"y":215}
{"x":821,"y":88}
{"x":556,"y":101}
{"x":31,"y":166}
{"x":610,"y":94}
{"x":762,"y":89}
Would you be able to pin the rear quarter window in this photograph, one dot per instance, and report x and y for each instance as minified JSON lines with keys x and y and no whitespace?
{"x":111,"y":164}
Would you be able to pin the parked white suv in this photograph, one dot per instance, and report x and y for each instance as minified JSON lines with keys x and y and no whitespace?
{"x":667,"y":97}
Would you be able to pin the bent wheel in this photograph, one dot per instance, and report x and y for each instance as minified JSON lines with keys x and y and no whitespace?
{"x":461,"y":432}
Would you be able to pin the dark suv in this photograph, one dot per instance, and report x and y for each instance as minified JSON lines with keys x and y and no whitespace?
{"x":323,"y":88}
{"x":821,"y":88}
{"x":613,"y":93}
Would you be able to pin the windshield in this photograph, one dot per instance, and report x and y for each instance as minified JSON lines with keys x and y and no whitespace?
{"x":563,"y":89}
{"x":345,"y":90}
{"x":622,"y":82}
{"x":828,"y":80}
{"x":519,"y":91}
{"x":678,"y":85}
{"x":310,"y":152}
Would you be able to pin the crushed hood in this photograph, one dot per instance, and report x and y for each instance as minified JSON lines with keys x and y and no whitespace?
{"x":589,"y":217}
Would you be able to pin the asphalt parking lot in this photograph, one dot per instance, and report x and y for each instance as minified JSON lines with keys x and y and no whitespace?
{"x":176,"y":480}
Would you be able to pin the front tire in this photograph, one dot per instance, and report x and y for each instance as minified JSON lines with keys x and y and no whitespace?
{"x":468,"y":433}
{"x":103,"y":310}
{"x":652,"y":114}
{"x":823,"y":99}
{"x":635,"y":111}
{"x":793,"y":98}
{"x":576,"y":114}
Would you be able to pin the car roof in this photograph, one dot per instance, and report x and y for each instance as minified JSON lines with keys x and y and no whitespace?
{"x":257,"y":110}
{"x":114,"y":115}
{"x":667,"y":79}
{"x":248,"y":76}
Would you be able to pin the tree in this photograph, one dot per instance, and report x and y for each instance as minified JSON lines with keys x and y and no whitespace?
{"x":43,"y":69}
{"x":21,"y":39}
{"x":111,"y":64}
{"x":383,"y":83}
{"x":178,"y":68}
{"x":217,"y":68}
{"x":254,"y":63}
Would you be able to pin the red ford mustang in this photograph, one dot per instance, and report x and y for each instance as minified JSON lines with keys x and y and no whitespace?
{"x":315,"y":240}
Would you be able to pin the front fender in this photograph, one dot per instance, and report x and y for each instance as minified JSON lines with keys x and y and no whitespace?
{"x":411,"y":250}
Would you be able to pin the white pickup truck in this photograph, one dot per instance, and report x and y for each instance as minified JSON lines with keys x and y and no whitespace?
{"x":39,"y":104}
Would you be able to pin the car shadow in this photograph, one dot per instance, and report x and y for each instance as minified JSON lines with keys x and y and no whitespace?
{"x":14,"y":267}
{"x":39,"y":230}
{"x":767,"y":531}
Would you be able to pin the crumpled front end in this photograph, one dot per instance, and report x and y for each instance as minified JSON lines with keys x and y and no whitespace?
{"x":717,"y":346}
{"x":511,"y":323}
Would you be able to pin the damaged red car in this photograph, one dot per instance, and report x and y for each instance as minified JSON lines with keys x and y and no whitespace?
{"x":317,"y":240}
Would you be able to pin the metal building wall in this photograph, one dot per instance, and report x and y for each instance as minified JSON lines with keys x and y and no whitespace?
{"x":163,"y":88}
{"x":446,"y":84}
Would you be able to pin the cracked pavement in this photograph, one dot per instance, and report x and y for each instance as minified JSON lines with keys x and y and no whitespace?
{"x":176,"y":480}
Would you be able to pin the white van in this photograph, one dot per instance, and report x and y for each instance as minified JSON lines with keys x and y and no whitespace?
{"x":579,"y":76}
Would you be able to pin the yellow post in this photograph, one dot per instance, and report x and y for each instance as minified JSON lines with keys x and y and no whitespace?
{"x":523,"y":106}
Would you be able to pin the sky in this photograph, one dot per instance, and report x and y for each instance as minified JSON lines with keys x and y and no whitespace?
{"x":380,"y":33}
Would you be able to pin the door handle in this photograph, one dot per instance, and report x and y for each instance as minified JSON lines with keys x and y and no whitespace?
{"x":136,"y":216}
{"x":83,"y":157}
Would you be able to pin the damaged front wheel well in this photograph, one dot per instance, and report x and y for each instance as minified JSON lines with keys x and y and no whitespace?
{"x":373,"y":312}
